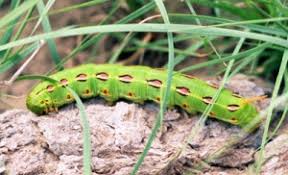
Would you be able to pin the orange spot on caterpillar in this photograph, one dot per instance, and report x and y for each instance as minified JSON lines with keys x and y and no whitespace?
{"x":158,"y":99}
{"x":102,"y":76}
{"x":212,"y":114}
{"x":183,"y":91}
{"x":105,"y":92}
{"x":64,"y":82}
{"x":154,"y":83}
{"x":207,"y":100}
{"x":184,"y":105}
{"x":68,"y":97}
{"x":233,"y":107}
{"x":50,"y":88}
{"x":87,"y":91}
{"x":253,"y":99}
{"x":125,"y":78}
{"x":81,"y":77}
{"x":233,"y":120}
{"x":189,"y":76}
{"x":130,"y":94}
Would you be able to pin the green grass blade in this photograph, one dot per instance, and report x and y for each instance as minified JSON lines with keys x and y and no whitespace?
{"x":179,"y":28}
{"x":8,"y":33}
{"x":283,"y":8}
{"x":141,"y":10}
{"x":92,"y":40}
{"x":47,"y":28}
{"x":17,"y":12}
{"x":117,"y":53}
{"x":246,"y":12}
{"x":225,"y":78}
{"x":42,"y":10}
{"x":228,"y":58}
{"x":18,"y":57}
{"x":18,"y":33}
{"x":77,"y":6}
{"x":286,"y":81}
{"x":37,"y":77}
{"x":85,"y":44}
{"x":165,"y":94}
{"x":264,"y":13}
{"x":87,"y":154}
{"x":206,"y":39}
{"x":275,"y":92}
{"x":186,"y":52}
{"x":280,"y":123}
{"x":245,"y":62}
{"x":200,"y":123}
{"x":192,"y":49}
{"x":247,"y":24}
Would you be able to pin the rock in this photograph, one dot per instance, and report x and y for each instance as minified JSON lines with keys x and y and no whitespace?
{"x":53,"y":144}
{"x":276,"y":156}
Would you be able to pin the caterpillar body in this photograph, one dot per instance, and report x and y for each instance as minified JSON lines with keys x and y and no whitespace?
{"x":138,"y":84}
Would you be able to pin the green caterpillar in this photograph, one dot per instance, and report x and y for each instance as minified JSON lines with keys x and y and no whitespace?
{"x":138,"y":84}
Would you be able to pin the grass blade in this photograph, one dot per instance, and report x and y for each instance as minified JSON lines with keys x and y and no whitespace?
{"x":17,"y":12}
{"x":179,"y":28}
{"x":87,"y":154}
{"x":47,"y":28}
{"x":275,"y":92}
{"x":164,"y":95}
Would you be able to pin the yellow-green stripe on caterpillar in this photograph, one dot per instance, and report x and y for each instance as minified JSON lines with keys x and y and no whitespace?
{"x":138,"y":84}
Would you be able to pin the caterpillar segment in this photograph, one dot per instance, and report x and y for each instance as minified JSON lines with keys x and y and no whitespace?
{"x":139,"y":84}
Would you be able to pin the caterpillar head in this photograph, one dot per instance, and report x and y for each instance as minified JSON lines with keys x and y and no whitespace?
{"x":39,"y":102}
{"x":249,"y":118}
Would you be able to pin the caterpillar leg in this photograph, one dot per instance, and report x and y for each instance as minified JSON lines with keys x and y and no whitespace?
{"x":110,"y":102}
{"x":141,"y":102}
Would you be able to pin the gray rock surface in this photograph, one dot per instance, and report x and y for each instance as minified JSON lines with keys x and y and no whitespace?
{"x":276,"y":156}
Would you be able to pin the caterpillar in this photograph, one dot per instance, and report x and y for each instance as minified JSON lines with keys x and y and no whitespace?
{"x":138,"y":84}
